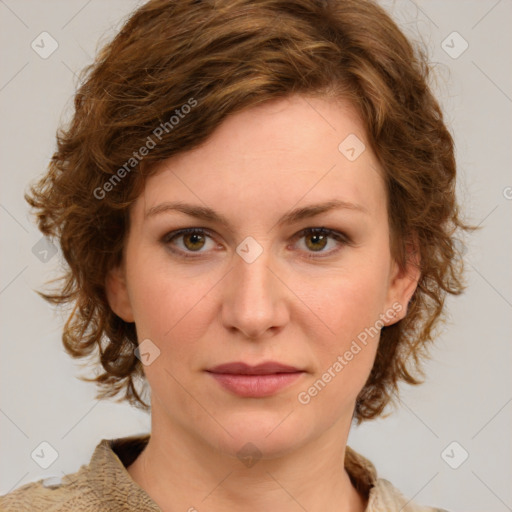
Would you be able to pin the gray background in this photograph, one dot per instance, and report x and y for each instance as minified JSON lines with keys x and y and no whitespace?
{"x":467,"y":397}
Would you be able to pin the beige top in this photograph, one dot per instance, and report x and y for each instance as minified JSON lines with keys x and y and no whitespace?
{"x":105,"y":485}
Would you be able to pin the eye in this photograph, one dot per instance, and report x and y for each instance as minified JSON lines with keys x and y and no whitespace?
{"x":192,"y":240}
{"x":317,"y":239}
{"x":188,"y":241}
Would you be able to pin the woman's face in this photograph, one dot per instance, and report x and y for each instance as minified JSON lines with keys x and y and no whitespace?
{"x":253,"y":285}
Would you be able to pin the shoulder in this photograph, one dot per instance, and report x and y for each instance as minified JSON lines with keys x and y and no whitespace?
{"x":382,"y":495}
{"x":103,"y":484}
{"x":385,"y":497}
{"x":71,"y":493}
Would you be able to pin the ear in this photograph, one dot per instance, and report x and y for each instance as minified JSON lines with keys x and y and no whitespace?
{"x":403,"y":282}
{"x":117,"y":294}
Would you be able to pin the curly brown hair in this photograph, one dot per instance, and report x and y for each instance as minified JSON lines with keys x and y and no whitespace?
{"x":217,"y":58}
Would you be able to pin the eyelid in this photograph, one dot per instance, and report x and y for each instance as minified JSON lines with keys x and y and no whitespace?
{"x":333,"y":233}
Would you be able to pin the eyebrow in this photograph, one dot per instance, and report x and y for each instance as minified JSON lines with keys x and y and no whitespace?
{"x":206,"y":213}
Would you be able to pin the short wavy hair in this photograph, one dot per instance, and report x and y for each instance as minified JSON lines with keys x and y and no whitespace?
{"x":217,"y":58}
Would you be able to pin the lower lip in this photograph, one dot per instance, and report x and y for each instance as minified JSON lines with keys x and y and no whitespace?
{"x":255,"y":386}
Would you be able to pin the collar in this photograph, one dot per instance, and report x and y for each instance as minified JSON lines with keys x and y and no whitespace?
{"x":109,"y":477}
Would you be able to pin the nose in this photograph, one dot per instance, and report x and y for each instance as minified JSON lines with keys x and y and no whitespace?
{"x":254,"y":299}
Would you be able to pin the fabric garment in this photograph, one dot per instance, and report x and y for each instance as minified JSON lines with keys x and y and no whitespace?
{"x":105,"y":485}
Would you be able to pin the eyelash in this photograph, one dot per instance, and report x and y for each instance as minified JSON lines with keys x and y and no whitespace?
{"x":336,"y":235}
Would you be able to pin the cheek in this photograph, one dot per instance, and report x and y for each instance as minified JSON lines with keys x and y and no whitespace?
{"x":349,"y":300}
{"x":169,"y":307}
{"x":345,"y":353}
{"x":346,"y":306}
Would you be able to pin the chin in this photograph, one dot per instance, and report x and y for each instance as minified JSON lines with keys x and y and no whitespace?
{"x":263,"y":435}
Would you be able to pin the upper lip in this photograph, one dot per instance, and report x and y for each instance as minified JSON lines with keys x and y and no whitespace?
{"x":266,"y":368}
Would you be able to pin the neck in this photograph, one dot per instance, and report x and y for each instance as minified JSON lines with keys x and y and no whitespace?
{"x":182,"y":472}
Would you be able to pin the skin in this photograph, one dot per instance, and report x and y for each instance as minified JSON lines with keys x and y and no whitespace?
{"x":301,"y":302}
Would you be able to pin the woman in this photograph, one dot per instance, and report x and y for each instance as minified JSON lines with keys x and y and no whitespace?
{"x":256,"y":203}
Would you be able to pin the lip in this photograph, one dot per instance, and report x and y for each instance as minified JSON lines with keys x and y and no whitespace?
{"x":265,"y":379}
{"x":266,"y":368}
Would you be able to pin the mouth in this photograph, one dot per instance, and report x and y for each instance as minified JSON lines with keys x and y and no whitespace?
{"x":240,"y":368}
{"x":262,"y":380}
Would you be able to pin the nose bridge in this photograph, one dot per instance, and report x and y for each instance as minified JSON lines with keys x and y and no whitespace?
{"x":253,"y":303}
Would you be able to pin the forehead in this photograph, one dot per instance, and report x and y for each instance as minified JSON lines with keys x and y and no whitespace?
{"x":272,"y":156}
